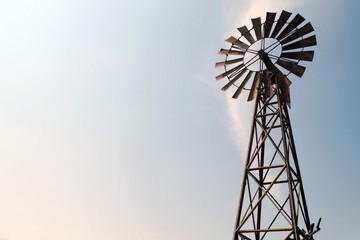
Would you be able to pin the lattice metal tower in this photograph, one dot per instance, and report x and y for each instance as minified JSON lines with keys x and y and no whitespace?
{"x":272,"y":201}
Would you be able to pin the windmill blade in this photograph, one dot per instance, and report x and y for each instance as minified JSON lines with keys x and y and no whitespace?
{"x":234,"y":80}
{"x":242,"y":85}
{"x":228,"y":62}
{"x":286,"y":96}
{"x":237,"y":42}
{"x":230,"y":52}
{"x":266,"y":79}
{"x":297,"y":20}
{"x":246,"y":33}
{"x":303,"y":55}
{"x":306,"y":42}
{"x":242,"y":68}
{"x":293,"y":67}
{"x":307,"y":28}
{"x":229,"y":72}
{"x":284,"y":16}
{"x":270,"y":17}
{"x":255,"y":87}
{"x":257,"y":27}
{"x":285,"y":83}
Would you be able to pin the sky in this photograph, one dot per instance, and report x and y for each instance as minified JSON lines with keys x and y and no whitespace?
{"x":112,"y":125}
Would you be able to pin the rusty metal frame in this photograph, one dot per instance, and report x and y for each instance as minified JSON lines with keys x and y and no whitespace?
{"x":265,"y":173}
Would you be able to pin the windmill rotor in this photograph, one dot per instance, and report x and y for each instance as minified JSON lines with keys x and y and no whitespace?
{"x":275,"y":45}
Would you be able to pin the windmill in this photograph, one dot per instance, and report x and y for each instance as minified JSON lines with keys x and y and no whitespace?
{"x":272,"y":202}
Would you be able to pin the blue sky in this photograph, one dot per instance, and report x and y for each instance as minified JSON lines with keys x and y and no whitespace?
{"x":112,"y":125}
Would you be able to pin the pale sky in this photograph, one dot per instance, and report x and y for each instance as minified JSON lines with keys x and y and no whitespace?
{"x":112,"y":125}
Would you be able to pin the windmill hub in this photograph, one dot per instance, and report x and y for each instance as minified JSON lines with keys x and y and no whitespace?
{"x":262,"y":54}
{"x":268,"y":45}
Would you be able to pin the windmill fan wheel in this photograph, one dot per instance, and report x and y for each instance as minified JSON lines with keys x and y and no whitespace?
{"x":273,"y":47}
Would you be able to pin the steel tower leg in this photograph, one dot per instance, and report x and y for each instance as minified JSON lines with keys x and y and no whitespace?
{"x":272,"y":202}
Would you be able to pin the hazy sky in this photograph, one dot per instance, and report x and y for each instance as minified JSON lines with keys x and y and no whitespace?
{"x":112,"y":125}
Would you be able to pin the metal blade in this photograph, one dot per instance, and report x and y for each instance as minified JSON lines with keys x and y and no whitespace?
{"x":284,"y":84}
{"x":307,"y":28}
{"x":293,"y":67}
{"x":287,"y":81}
{"x":297,"y":20}
{"x":267,"y":83}
{"x":237,"y":42}
{"x":230,"y":52}
{"x":246,"y":33}
{"x":257,"y":27}
{"x":303,"y":55}
{"x":286,"y":96}
{"x":242,"y":85}
{"x":229,"y":72}
{"x":270,"y":17}
{"x":234,"y":80}
{"x":228,"y":62}
{"x":280,"y":23}
{"x":306,"y":42}
{"x":255,"y":87}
